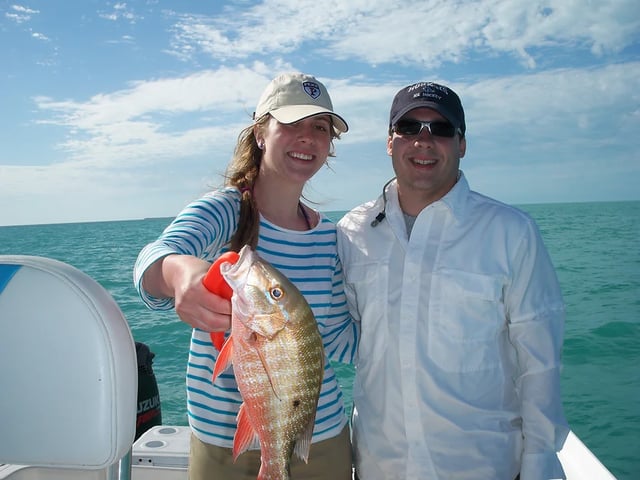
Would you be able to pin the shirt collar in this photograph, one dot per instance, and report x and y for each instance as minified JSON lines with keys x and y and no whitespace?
{"x":455,"y":200}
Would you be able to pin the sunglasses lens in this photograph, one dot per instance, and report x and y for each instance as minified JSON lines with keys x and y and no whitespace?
{"x":413,"y":127}
{"x":442,"y":129}
{"x":408,"y":127}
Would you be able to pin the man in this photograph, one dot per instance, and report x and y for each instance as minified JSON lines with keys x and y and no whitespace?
{"x":461,"y":313}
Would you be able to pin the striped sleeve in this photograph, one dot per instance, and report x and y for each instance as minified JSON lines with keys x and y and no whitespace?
{"x":201,"y":229}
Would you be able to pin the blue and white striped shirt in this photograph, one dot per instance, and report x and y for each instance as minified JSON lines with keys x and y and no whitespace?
{"x":308,"y":258}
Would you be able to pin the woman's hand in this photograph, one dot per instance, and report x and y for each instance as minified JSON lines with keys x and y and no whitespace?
{"x":180,"y":277}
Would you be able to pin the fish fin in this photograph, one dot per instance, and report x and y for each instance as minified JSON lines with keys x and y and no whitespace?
{"x":245,"y":436}
{"x":265,"y":364}
{"x":303,"y":444}
{"x":217,"y":338}
{"x":224,"y":358}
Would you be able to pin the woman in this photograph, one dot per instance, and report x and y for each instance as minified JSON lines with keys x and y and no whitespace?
{"x":289,"y":141}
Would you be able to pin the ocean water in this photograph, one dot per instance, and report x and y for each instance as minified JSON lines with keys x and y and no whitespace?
{"x":594,"y":246}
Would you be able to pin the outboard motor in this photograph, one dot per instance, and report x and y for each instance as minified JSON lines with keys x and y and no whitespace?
{"x":149,"y":409}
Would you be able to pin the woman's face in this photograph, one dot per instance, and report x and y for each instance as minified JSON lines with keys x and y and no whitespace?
{"x":297,"y":150}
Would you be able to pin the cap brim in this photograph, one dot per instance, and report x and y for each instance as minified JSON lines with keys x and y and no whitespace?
{"x":433,"y":106}
{"x":295,"y":113}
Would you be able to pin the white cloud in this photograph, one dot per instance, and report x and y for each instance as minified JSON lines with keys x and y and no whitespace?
{"x":517,"y":126}
{"x":40,"y":36}
{"x":428,"y":33}
{"x":120,"y":11}
{"x":225,"y":89}
{"x":20,"y":14}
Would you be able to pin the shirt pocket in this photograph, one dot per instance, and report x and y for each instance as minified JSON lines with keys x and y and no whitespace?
{"x":367,"y":283}
{"x":466,"y":318}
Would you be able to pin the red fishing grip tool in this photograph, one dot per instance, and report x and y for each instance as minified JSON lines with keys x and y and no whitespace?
{"x":215,"y":283}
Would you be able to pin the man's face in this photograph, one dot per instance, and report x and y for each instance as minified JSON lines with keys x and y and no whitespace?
{"x":426,"y":165}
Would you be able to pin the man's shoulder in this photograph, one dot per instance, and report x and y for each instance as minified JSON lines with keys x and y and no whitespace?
{"x":357,"y":216}
{"x":481,"y":204}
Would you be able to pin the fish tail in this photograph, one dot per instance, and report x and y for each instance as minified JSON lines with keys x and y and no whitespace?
{"x":274,"y":471}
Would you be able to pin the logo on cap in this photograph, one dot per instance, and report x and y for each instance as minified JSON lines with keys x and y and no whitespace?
{"x":312,"y":89}
{"x":429,"y":90}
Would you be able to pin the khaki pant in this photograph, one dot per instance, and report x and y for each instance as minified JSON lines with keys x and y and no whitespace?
{"x":355,"y":477}
{"x":328,"y":460}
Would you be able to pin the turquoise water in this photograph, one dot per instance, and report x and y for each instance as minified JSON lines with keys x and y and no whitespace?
{"x":594,"y":246}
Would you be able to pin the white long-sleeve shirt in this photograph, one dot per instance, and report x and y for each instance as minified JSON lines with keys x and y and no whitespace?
{"x":457,"y":375}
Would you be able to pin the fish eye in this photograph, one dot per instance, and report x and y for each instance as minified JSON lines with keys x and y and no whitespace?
{"x":276,"y":293}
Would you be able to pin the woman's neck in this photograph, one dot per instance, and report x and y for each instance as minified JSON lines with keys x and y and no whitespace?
{"x":282,"y":206}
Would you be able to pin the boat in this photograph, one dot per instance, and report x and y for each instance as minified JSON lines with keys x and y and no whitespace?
{"x":69,"y":371}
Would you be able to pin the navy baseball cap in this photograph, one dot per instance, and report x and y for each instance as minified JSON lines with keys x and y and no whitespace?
{"x":429,"y":95}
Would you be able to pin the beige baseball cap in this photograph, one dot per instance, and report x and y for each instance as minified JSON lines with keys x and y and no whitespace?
{"x":290,"y":97}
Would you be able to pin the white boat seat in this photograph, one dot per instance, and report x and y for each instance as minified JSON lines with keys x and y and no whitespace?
{"x":68,"y":371}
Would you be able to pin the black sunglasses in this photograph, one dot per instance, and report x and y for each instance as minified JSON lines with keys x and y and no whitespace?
{"x":414,"y":127}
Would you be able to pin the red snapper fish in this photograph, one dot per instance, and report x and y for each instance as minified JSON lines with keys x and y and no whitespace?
{"x":278,"y":361}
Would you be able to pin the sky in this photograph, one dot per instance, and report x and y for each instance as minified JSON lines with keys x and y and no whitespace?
{"x":126,"y":110}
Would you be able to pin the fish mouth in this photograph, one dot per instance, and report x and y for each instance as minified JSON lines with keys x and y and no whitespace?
{"x":237,"y":274}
